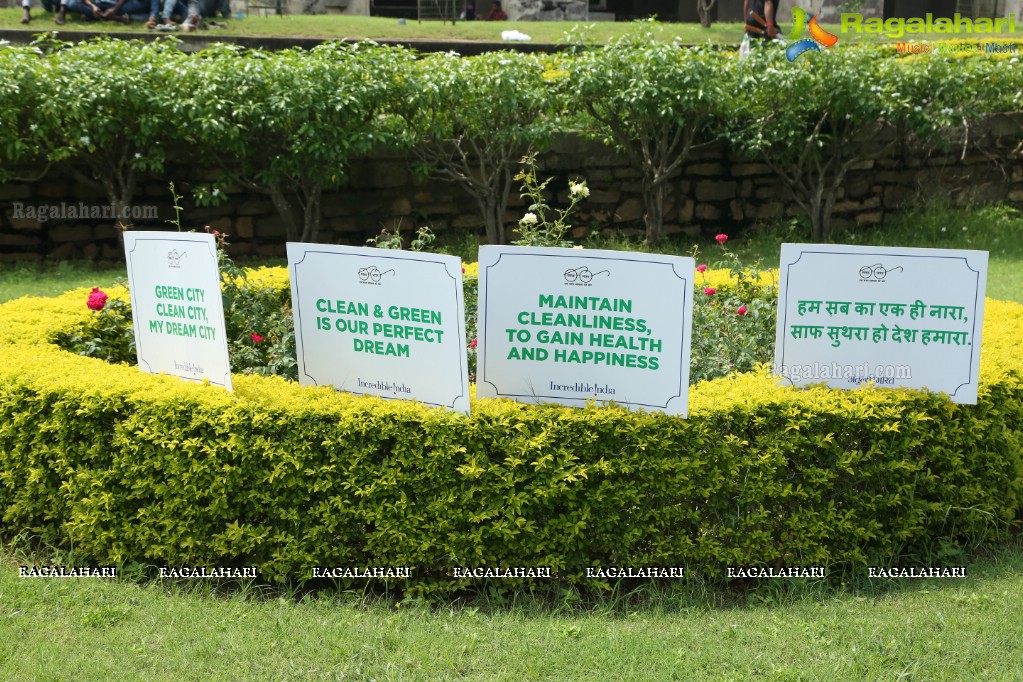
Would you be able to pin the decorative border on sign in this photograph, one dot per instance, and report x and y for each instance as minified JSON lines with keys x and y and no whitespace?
{"x":463,"y":379}
{"x":965,"y":261}
{"x":134,"y":306}
{"x":582,"y":401}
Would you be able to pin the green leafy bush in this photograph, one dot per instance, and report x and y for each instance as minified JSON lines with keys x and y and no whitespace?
{"x":287,"y":124}
{"x":134,"y":467}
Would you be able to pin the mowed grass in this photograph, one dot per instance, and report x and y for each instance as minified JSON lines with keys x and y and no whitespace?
{"x":380,"y":28}
{"x":934,"y":629}
{"x":51,"y":279}
{"x":997,"y":229}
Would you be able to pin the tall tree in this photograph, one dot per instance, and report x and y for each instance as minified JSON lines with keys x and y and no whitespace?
{"x":472,"y":119}
{"x":654,"y":101}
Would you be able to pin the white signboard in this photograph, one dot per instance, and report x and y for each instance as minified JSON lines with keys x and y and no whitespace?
{"x":380,"y":322}
{"x":898,"y":317}
{"x":177,"y":306}
{"x":570,"y":326}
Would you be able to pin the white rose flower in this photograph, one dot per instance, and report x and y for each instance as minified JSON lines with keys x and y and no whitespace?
{"x":528,"y":219}
{"x":578,"y":189}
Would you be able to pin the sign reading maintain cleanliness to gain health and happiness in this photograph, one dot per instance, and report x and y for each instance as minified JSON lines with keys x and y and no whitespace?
{"x":380,"y":322}
{"x":898,"y":317}
{"x":570,"y":326}
{"x":176,"y":305}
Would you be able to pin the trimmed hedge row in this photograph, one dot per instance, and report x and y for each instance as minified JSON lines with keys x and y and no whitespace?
{"x":288,"y":124}
{"x":129,"y":467}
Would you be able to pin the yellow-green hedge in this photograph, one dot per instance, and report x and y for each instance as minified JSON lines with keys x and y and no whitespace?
{"x":127,"y":466}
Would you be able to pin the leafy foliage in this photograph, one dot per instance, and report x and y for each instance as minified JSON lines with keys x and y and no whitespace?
{"x":735,"y":311}
{"x":22,"y":139}
{"x":469,"y":121}
{"x":134,"y":467}
{"x":653,"y":101}
{"x":541,"y":225}
{"x":286,"y":123}
{"x":109,"y":107}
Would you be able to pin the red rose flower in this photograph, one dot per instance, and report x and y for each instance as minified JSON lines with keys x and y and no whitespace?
{"x":741,"y":310}
{"x":721,"y":239}
{"x":97,"y":299}
{"x":472,"y":344}
{"x":257,"y":338}
{"x":702,"y":267}
{"x":710,"y":291}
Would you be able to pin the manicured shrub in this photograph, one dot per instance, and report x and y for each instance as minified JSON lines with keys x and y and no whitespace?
{"x":126,"y":466}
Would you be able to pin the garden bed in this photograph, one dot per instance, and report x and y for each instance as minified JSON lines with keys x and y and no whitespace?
{"x":130,"y":467}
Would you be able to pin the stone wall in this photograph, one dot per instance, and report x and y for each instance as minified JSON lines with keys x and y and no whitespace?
{"x":714,"y":192}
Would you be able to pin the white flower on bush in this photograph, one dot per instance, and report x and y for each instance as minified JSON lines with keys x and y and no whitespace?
{"x":528,"y":219}
{"x":578,"y":189}
{"x":84,"y":139}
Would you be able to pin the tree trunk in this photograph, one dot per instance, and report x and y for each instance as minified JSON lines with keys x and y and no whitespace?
{"x":283,"y":207}
{"x":493,"y":203}
{"x":312,"y":214}
{"x":703,"y":9}
{"x":493,"y":218}
{"x":653,"y":203}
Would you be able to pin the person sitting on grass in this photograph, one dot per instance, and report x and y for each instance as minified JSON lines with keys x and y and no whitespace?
{"x":204,"y":9}
{"x":496,"y":13}
{"x":127,"y":11}
{"x":100,"y":10}
{"x":165,"y":13}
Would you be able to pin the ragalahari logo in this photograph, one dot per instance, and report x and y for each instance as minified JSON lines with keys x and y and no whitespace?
{"x":818,"y":36}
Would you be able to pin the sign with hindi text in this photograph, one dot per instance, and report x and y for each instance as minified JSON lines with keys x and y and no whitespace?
{"x":575,"y":325}
{"x":176,"y":305}
{"x":898,"y":317}
{"x":380,"y":322}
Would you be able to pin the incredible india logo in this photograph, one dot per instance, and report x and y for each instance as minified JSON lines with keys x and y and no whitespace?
{"x":818,"y":36}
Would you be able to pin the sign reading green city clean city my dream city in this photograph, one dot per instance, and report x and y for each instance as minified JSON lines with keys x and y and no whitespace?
{"x":570,"y":326}
{"x":176,"y":305}
{"x":380,"y":322}
{"x":896,"y":317}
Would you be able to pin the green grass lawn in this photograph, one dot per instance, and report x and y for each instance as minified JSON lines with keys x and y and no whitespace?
{"x":94,"y":629}
{"x":338,"y":26}
{"x":995,"y":229}
{"x":50,"y":279}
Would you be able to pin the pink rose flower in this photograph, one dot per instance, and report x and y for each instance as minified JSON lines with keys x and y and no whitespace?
{"x":97,"y":299}
{"x":257,"y":338}
{"x":741,"y":310}
{"x":472,"y":344}
{"x":702,"y":267}
{"x":710,"y":291}
{"x":721,"y":239}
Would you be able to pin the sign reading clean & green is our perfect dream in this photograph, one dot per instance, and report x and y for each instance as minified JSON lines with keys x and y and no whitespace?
{"x":176,"y":305}
{"x":380,"y":322}
{"x":570,"y":326}
{"x":896,"y":317}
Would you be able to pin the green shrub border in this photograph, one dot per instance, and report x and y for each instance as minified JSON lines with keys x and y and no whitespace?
{"x":128,"y":467}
